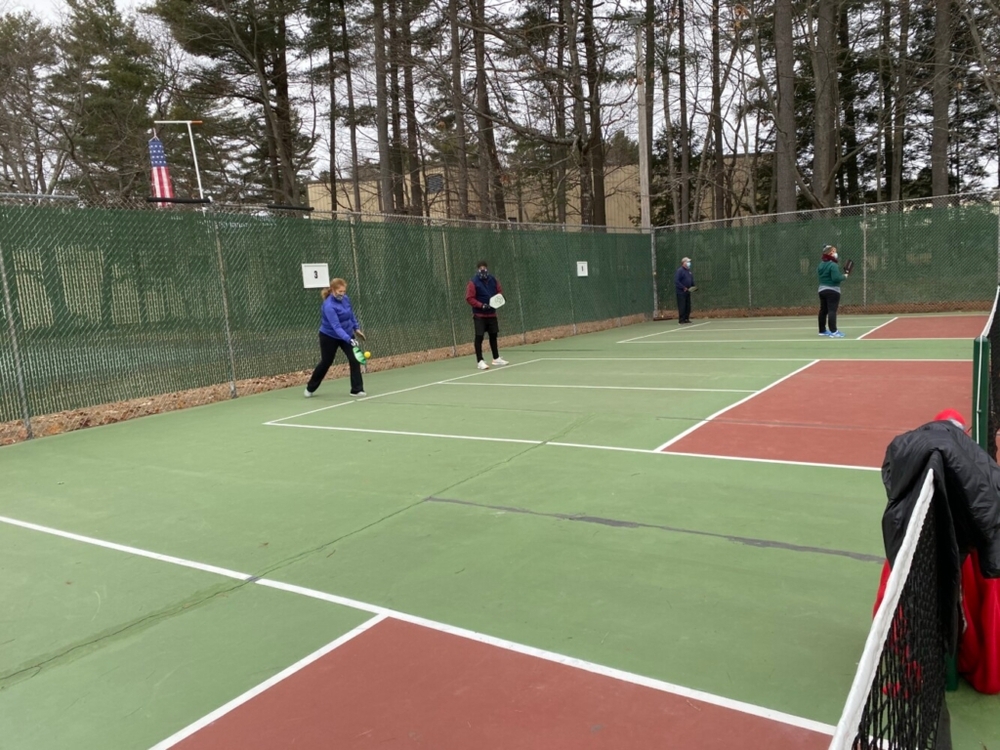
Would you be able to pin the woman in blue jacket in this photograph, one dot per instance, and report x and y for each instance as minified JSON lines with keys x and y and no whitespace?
{"x":338,"y":329}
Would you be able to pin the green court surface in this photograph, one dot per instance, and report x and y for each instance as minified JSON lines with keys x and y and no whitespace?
{"x":527,"y":503}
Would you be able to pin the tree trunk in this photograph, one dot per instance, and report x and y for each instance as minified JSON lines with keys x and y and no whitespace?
{"x":596,"y":141}
{"x":849,"y":132}
{"x":941,"y":93}
{"x":559,"y":152}
{"x":685,"y":134}
{"x":396,"y":150}
{"x":902,"y":89}
{"x":824,"y":60}
{"x":283,"y":113}
{"x":351,"y":115}
{"x":719,"y":176}
{"x":784,"y":153}
{"x":331,"y":62}
{"x":580,"y":138}
{"x":382,"y":112}
{"x":459,"y":109}
{"x":483,"y":171}
{"x":669,"y":130}
{"x":489,"y":166}
{"x":650,"y":21}
{"x":413,"y":153}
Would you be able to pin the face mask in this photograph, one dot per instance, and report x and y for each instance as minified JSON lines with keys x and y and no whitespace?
{"x":688,"y":265}
{"x":339,"y":296}
{"x":484,"y":273}
{"x":833,"y":255}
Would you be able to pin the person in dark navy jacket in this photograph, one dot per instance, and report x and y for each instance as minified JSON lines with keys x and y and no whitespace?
{"x":480,"y":290}
{"x":683,"y":285}
{"x":338,"y":330}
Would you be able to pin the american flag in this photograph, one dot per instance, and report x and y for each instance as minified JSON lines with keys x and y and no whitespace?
{"x":162,"y":187}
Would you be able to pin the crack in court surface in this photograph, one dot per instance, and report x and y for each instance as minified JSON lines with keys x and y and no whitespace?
{"x":622,"y":524}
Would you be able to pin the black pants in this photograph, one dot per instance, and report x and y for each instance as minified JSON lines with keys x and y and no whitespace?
{"x":328,"y":347}
{"x":829,"y":301}
{"x":683,"y":307}
{"x":486,"y":326}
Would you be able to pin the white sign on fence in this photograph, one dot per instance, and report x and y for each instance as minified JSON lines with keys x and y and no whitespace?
{"x":315,"y":275}
{"x":581,"y":268}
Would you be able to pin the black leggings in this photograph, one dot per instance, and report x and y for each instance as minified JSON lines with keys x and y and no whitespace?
{"x":328,"y":347}
{"x":486,"y":326}
{"x":829,"y":301}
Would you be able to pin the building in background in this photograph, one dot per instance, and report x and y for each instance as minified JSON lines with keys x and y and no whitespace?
{"x":525,"y":202}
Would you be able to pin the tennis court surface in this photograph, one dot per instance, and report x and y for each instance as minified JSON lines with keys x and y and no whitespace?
{"x":653,"y":536}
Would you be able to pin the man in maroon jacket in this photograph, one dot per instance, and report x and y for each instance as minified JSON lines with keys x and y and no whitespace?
{"x":481,"y":289}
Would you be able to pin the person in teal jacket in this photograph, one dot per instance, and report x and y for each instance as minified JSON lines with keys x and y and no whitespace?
{"x":830,"y":278}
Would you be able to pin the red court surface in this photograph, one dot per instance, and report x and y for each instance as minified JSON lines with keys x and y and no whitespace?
{"x":943,"y":327}
{"x":402,"y":685}
{"x":835,"y":412}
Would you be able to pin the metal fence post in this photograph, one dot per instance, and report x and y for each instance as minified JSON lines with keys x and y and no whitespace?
{"x":569,"y":283}
{"x":225,"y":309}
{"x":864,"y":257}
{"x":652,"y":253}
{"x":447,"y":281}
{"x":15,"y":349}
{"x":998,"y":236}
{"x":749,"y":275}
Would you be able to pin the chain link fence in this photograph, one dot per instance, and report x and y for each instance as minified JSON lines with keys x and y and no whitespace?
{"x":113,"y":311}
{"x":912,"y":256}
{"x":110,"y":311}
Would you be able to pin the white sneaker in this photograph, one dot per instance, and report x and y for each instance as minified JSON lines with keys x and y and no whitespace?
{"x":359,"y":394}
{"x":500,"y":361}
{"x":482,"y":365}
{"x":308,"y":393}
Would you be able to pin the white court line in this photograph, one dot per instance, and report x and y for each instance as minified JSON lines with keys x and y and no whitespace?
{"x":617,"y":674}
{"x":787,"y":341}
{"x":770,"y":461}
{"x":125,"y":548}
{"x":401,"y":390}
{"x":709,"y":418}
{"x":661,"y":333}
{"x":586,"y":446}
{"x":405,"y":433}
{"x":740,"y":329}
{"x":268,"y":683}
{"x":741,"y":359}
{"x":877,"y":327}
{"x":608,"y":387}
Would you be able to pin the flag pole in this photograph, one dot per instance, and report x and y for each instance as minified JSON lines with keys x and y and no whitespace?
{"x":194,"y":154}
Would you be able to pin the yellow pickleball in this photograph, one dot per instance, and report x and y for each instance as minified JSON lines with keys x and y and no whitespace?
{"x":368,"y":355}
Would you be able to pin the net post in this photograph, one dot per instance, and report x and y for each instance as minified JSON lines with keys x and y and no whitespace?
{"x":980,"y":389}
{"x":15,"y":350}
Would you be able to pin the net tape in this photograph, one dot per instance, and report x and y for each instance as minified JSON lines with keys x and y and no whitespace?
{"x":898,"y":691}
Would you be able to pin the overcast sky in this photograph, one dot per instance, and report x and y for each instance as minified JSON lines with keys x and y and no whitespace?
{"x":49,"y":10}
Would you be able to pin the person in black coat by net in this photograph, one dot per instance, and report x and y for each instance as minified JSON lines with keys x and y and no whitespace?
{"x":965,"y":511}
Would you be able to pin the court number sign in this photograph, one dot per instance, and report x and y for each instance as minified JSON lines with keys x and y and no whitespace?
{"x":315,"y":275}
{"x":581,"y":268}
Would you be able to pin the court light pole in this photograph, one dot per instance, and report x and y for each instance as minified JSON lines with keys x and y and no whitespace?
{"x":194,"y":154}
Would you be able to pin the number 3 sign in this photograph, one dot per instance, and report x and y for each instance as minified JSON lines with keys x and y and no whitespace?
{"x":315,"y":275}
